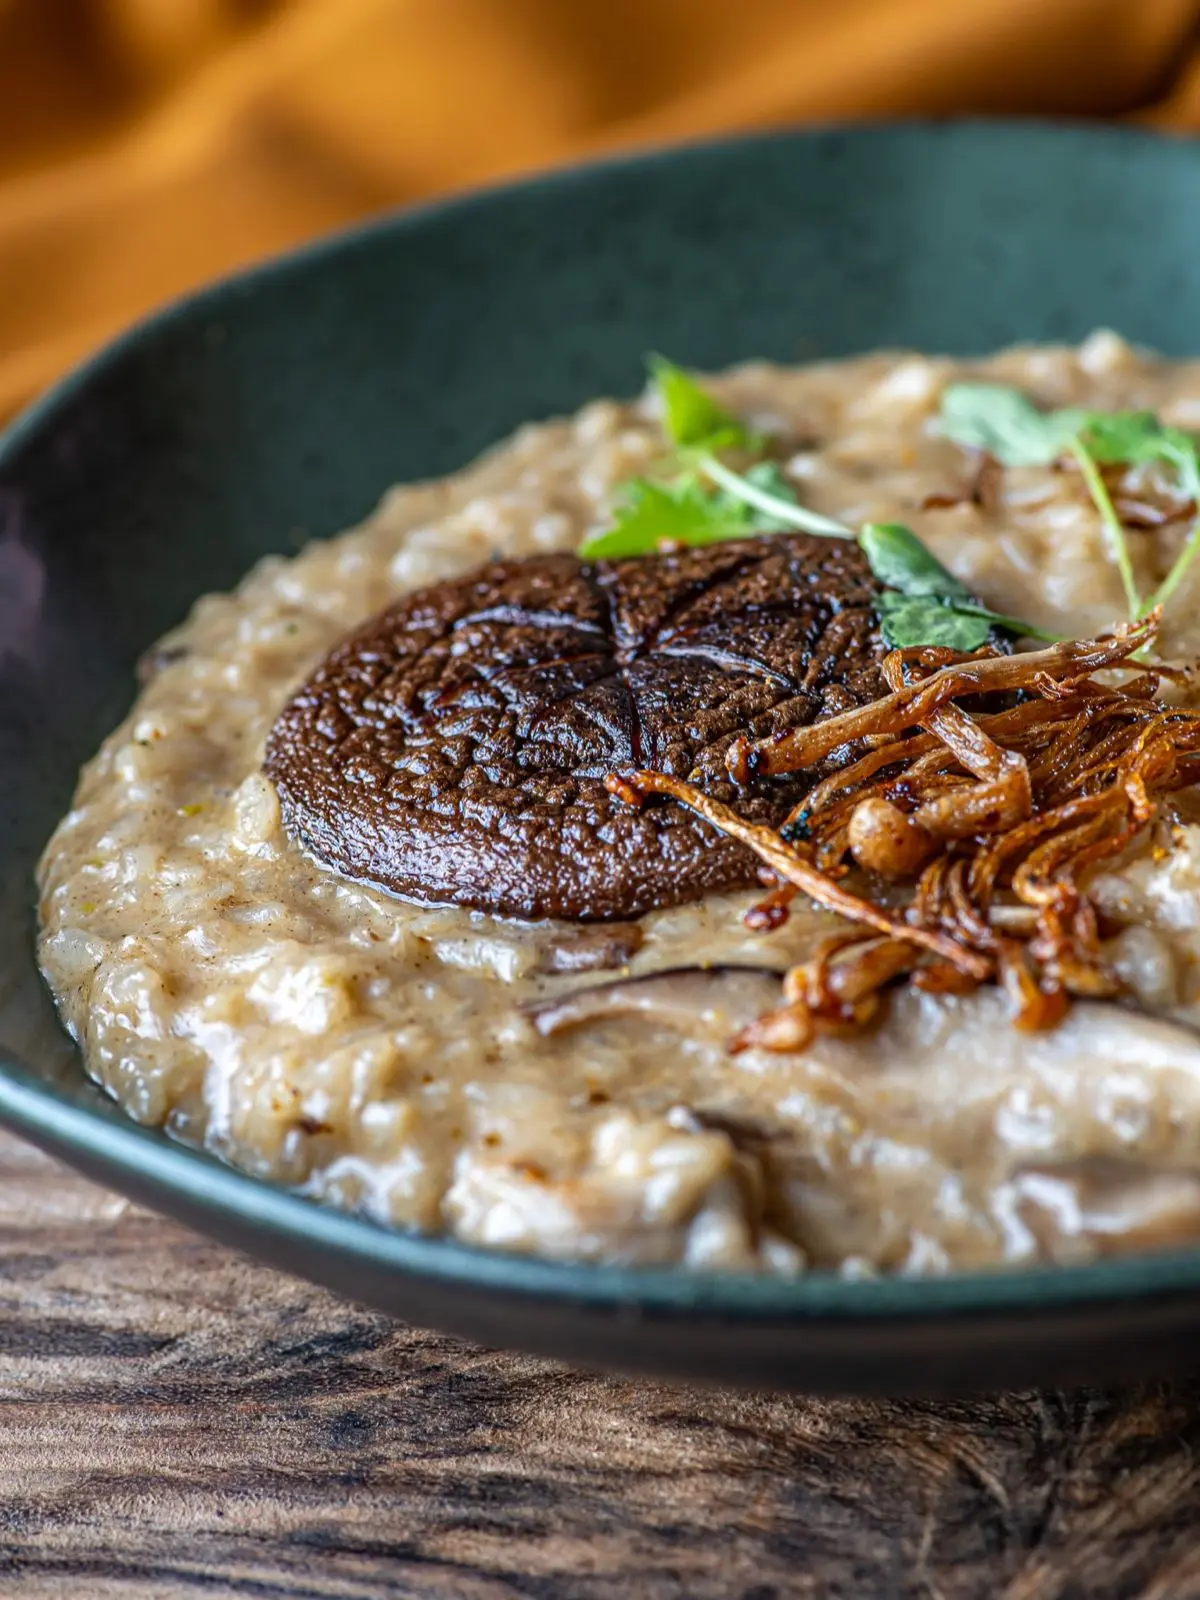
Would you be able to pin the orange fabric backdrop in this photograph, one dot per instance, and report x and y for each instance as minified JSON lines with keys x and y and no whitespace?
{"x":146,"y":145}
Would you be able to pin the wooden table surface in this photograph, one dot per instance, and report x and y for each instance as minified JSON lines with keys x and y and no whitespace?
{"x":177,"y":1422}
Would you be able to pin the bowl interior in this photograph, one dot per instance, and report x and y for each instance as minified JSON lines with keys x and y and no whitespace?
{"x":278,"y":406}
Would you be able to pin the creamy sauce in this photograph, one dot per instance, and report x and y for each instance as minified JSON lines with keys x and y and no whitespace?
{"x":384,"y":1055}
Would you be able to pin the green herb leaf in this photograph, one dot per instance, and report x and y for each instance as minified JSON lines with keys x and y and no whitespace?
{"x":1001,"y":420}
{"x":1137,"y":437}
{"x":758,"y":489}
{"x":686,"y":512}
{"x":691,"y":417}
{"x":700,"y":429}
{"x":911,"y":572}
{"x":908,"y":621}
{"x":652,"y":514}
{"x":1122,"y":435}
{"x":766,"y":477}
{"x":899,"y":560}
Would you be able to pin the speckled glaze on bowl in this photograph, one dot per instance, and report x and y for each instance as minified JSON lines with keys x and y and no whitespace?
{"x":279,"y":404}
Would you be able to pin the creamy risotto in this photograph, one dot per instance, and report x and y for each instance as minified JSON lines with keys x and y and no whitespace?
{"x":505,"y":1081}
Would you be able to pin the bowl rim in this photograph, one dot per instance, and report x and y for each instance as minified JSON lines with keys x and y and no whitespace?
{"x":482,"y":197}
{"x":33,"y":1106}
{"x":30,"y":1105}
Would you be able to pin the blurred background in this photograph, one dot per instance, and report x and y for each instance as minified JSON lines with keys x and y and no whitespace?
{"x":146,"y":145}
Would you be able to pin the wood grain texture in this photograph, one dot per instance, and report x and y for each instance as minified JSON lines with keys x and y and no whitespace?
{"x":175,"y":1422}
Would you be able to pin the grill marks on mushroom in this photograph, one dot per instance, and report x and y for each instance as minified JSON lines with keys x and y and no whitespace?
{"x":454,"y":749}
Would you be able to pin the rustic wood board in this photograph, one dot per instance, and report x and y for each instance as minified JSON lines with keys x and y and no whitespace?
{"x":175,"y":1422}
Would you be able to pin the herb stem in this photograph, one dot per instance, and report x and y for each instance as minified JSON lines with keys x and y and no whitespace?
{"x":798,"y":516}
{"x":1015,"y":625}
{"x":1113,"y":528}
{"x":1180,"y":565}
{"x":1190,"y":485}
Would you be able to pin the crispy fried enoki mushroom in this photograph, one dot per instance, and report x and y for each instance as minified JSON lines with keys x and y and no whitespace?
{"x":993,"y":818}
{"x":982,"y":673}
{"x":787,"y":862}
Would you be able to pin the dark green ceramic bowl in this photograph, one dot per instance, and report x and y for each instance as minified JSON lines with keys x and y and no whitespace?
{"x":281,"y":403}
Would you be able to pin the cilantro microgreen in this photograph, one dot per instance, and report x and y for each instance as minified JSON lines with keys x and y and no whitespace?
{"x":921,"y":599}
{"x":1138,"y":438}
{"x":761,"y":492}
{"x":900,"y":561}
{"x":1130,"y":436}
{"x":1004,"y":422}
{"x":651,"y":514}
{"x":922,"y":602}
{"x":708,"y":501}
{"x":692,"y":419}
{"x":1001,"y":420}
{"x":777,"y":507}
{"x":908,"y":621}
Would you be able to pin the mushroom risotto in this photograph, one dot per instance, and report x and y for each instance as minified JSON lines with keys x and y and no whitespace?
{"x":749,"y":827}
